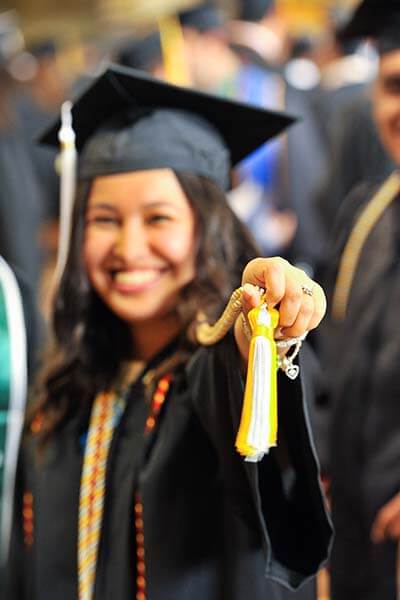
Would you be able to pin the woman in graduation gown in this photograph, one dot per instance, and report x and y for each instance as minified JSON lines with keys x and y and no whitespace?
{"x":129,"y":481}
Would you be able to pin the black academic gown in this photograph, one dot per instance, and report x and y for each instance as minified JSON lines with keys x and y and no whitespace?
{"x":214,"y":526}
{"x":356,"y":152}
{"x":362,"y":356}
{"x":20,"y":207}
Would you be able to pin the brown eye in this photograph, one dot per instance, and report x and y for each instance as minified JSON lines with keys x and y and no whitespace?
{"x":158,"y":218}
{"x":101,"y":220}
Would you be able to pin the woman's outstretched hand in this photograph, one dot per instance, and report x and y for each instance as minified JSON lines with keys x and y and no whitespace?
{"x":302,"y":302}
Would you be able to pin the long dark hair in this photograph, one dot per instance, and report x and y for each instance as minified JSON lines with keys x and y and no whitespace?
{"x":90,"y":342}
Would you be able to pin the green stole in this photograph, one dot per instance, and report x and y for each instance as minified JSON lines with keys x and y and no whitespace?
{"x":13,"y":391}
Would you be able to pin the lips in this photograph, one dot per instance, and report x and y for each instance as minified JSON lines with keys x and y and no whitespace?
{"x":136,"y":280}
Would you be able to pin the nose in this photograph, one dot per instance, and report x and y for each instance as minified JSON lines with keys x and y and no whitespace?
{"x":132,"y":242}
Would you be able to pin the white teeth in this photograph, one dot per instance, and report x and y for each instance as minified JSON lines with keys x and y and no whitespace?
{"x":136,"y":277}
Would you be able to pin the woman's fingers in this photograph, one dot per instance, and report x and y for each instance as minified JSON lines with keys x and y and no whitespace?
{"x":294,"y":325}
{"x":275,"y":280}
{"x":250,"y":298}
{"x":291,"y":304}
{"x":302,"y":302}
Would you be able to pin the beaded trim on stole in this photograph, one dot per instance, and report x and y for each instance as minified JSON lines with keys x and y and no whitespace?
{"x":151,"y":421}
{"x":27,"y":498}
{"x":27,"y":519}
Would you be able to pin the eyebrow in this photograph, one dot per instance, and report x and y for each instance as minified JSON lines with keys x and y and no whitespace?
{"x":102,"y":205}
{"x":151,"y":204}
{"x":155,"y":203}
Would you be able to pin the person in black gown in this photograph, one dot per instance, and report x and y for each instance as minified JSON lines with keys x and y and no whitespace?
{"x":174,"y":511}
{"x":363,"y":349}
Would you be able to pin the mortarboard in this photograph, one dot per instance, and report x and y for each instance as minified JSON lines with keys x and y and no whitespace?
{"x":254,"y":10}
{"x":142,"y":53}
{"x":127,"y":121}
{"x":204,"y":17}
{"x":378,"y":20}
{"x":43,"y":48}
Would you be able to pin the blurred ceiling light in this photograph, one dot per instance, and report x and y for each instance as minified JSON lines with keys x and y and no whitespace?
{"x":23,"y":67}
{"x":11,"y":38}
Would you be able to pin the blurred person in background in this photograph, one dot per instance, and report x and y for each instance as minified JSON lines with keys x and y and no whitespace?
{"x":362,"y":348}
{"x":19,"y":323}
{"x":37,"y":104}
{"x":344,"y":109}
{"x":43,"y":88}
{"x":283,"y":176}
{"x":142,"y":53}
{"x":208,"y":56}
{"x":20,"y":339}
{"x":346,"y":66}
{"x":20,"y":191}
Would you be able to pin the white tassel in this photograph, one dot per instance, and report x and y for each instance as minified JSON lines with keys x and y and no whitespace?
{"x":259,"y":430}
{"x":68,"y":163}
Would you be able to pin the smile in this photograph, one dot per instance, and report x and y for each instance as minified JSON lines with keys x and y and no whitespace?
{"x":137,"y":280}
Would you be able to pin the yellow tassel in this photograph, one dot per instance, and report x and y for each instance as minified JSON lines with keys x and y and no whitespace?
{"x":173,"y":50}
{"x":259,"y":422}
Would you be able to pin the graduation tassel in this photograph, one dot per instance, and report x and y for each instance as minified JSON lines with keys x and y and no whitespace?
{"x":173,"y":50}
{"x":259,"y":421}
{"x":258,"y":430}
{"x":67,"y":166}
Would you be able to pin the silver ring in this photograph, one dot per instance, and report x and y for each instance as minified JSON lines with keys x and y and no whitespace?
{"x":307,"y":290}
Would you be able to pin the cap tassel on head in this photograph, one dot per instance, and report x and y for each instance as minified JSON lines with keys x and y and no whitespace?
{"x":173,"y":51}
{"x":259,"y":422}
{"x":68,"y":166}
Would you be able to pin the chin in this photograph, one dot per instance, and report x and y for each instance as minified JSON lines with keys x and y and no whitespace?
{"x":138,"y":314}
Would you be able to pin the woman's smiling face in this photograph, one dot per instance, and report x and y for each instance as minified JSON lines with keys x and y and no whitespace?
{"x":139,"y":247}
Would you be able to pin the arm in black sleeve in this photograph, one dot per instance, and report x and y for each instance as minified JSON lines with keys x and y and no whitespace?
{"x":283,"y":488}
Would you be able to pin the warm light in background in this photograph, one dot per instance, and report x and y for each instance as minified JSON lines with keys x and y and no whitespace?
{"x":75,"y":18}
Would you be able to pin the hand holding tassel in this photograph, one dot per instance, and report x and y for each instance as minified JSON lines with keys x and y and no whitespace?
{"x":302,"y":302}
{"x":301,"y":307}
{"x":267,"y":283}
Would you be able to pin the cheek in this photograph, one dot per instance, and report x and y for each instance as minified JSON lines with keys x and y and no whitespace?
{"x":95,"y":249}
{"x":387,"y":110}
{"x":179,"y":250}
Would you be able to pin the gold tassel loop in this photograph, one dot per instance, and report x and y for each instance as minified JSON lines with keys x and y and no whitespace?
{"x":207,"y":334}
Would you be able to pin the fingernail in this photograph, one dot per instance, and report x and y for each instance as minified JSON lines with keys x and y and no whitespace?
{"x":248,"y":288}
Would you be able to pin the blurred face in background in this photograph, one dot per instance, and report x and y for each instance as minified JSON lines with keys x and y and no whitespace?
{"x":209,"y":59}
{"x":386,"y":102}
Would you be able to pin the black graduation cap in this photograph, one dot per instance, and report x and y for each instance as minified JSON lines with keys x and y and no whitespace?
{"x":129,"y":121}
{"x":254,"y":10}
{"x":204,"y":17}
{"x":43,"y":48}
{"x":142,"y":53}
{"x":375,"y":19}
